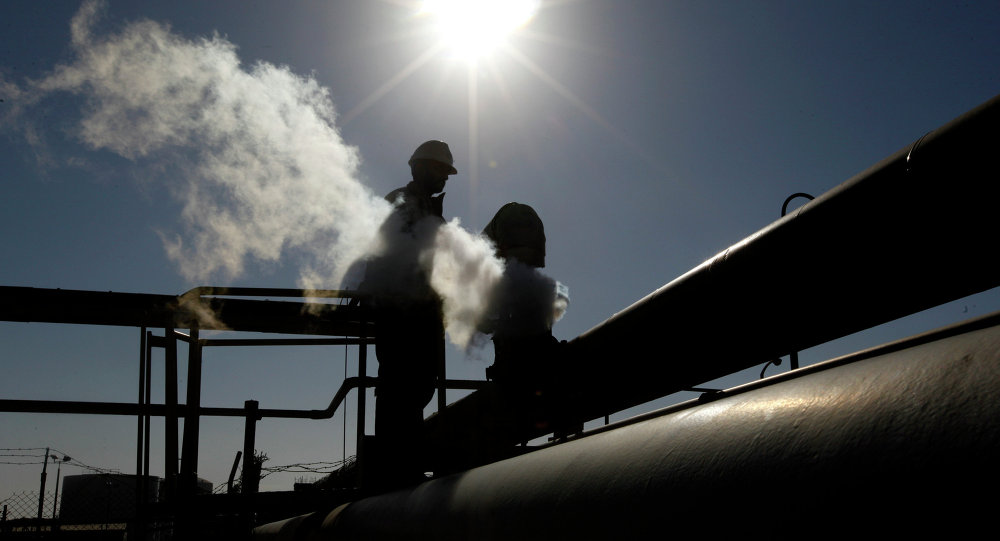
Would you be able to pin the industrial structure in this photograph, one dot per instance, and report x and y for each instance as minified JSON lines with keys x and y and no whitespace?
{"x":901,"y":437}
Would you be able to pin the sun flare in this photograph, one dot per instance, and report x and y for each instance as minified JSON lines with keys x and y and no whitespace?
{"x":472,"y":28}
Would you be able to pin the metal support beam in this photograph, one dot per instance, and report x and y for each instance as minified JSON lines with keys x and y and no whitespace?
{"x":170,"y":423}
{"x":192,"y":420}
{"x":362,"y":392}
{"x":141,"y":480}
{"x":148,"y":400}
{"x":251,"y":476}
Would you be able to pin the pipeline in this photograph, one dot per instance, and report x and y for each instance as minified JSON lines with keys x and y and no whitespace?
{"x":914,"y":231}
{"x":894,"y":440}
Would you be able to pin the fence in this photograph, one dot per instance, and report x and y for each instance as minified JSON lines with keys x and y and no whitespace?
{"x":102,"y":517}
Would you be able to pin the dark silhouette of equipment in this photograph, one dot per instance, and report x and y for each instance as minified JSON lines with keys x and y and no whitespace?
{"x":896,"y":439}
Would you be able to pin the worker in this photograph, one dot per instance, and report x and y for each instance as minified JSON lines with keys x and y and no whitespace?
{"x":523,"y":308}
{"x":409,"y":328}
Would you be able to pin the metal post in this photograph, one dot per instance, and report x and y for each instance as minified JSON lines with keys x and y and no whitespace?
{"x":140,"y":481}
{"x":170,"y":420}
{"x":362,"y":392}
{"x":251,"y":477}
{"x":189,"y":455}
{"x":441,"y":377}
{"x":55,"y":503}
{"x":232,"y":472}
{"x":343,"y":439}
{"x":41,"y":490}
{"x":362,"y":389}
{"x":148,"y":399}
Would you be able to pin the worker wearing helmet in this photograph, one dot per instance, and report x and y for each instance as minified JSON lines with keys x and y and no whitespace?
{"x":523,"y":307}
{"x":409,"y":329}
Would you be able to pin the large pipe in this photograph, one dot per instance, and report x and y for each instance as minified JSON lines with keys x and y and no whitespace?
{"x":895,"y":440}
{"x":914,"y":231}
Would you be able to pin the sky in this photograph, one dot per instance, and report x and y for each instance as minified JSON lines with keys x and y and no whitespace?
{"x":152,"y":147}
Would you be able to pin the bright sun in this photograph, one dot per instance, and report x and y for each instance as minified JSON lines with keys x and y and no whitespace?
{"x":473,"y":28}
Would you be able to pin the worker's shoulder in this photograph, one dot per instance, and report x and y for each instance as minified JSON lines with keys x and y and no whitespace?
{"x":399,"y":195}
{"x":395,"y":195}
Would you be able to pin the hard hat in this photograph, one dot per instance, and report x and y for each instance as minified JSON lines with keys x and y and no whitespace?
{"x":434,"y":150}
{"x":518,"y":232}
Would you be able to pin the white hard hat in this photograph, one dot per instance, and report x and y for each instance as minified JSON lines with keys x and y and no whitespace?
{"x":434,"y":150}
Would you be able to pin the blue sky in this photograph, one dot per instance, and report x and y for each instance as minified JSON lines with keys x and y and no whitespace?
{"x":649,"y":135}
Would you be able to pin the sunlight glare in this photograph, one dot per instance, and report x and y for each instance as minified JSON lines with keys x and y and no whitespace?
{"x":473,"y":28}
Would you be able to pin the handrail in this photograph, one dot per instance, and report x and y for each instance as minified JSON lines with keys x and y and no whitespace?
{"x":160,"y":410}
{"x":225,"y":291}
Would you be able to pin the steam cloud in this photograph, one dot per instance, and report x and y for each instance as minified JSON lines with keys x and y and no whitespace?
{"x":465,"y":272}
{"x":264,"y":170}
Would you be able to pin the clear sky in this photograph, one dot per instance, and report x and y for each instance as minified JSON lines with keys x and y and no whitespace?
{"x":155,"y":146}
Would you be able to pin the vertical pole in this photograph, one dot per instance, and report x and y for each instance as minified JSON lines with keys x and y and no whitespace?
{"x":362,"y":389}
{"x":146,"y":421}
{"x":170,"y":420}
{"x":55,"y":503}
{"x":192,"y":421}
{"x":232,"y":472}
{"x":343,"y":440}
{"x":362,"y":392}
{"x":441,"y":375}
{"x":140,"y":484}
{"x":41,"y":490}
{"x":793,"y":360}
{"x":251,"y":477}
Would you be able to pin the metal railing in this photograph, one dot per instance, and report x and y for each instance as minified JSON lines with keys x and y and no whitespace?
{"x":207,"y":306}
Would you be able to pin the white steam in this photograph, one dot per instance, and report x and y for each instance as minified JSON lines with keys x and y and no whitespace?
{"x":465,"y":273}
{"x":265,"y":170}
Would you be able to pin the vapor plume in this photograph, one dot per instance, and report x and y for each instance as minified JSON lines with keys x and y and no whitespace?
{"x":263,"y":170}
{"x":465,"y":273}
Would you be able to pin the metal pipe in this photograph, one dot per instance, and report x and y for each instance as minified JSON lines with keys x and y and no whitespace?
{"x":207,"y":291}
{"x":160,"y":311}
{"x":163,"y":410}
{"x":908,"y":234}
{"x":222,"y":342}
{"x":913,"y":426}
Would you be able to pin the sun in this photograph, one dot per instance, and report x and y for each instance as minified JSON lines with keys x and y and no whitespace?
{"x":471,"y":29}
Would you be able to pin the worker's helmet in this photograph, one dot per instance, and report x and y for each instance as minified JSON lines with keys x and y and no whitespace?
{"x":518,"y":233}
{"x":434,"y":150}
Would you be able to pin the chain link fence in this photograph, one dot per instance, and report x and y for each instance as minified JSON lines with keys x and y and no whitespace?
{"x":90,"y":507}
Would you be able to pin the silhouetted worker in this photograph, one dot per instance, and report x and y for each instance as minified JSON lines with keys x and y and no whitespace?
{"x":409,"y":329}
{"x":524,"y":306}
